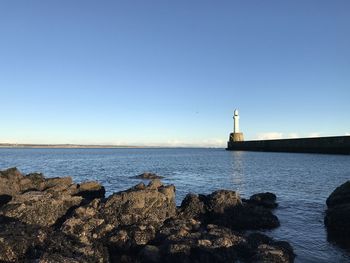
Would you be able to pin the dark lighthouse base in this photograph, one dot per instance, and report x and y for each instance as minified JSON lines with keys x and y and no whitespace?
{"x":327,"y":145}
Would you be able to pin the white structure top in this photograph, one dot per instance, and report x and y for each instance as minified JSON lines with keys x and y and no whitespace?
{"x":236,"y":121}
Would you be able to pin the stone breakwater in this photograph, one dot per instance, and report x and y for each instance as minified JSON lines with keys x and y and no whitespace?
{"x":55,"y":220}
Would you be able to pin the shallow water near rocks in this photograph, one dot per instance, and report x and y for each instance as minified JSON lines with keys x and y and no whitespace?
{"x":302,"y":182}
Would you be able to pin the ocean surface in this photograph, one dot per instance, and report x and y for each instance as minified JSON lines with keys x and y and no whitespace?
{"x":302,"y":182}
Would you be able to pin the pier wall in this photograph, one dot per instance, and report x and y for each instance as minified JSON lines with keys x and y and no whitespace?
{"x":329,"y":145}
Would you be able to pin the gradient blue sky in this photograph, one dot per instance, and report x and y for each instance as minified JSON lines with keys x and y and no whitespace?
{"x":172,"y":72}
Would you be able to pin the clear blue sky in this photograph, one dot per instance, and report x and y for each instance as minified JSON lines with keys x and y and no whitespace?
{"x":172,"y":72}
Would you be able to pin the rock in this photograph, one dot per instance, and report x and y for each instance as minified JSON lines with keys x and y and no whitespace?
{"x":63,"y":248}
{"x":138,"y":205}
{"x":337,"y":219}
{"x":150,"y":254}
{"x":54,"y":220}
{"x":33,"y":199}
{"x":10,"y":182}
{"x":152,"y":204}
{"x":148,"y":176}
{"x":182,"y":241}
{"x":267,"y":200}
{"x":19,"y":240}
{"x":192,"y":206}
{"x":90,"y":190}
{"x":225,"y":208}
{"x":4,"y":199}
{"x":265,"y":249}
{"x":219,"y":201}
{"x":341,"y":195}
{"x":40,"y":208}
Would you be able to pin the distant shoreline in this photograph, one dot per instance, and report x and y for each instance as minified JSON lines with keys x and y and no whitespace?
{"x":19,"y":145}
{"x":91,"y":146}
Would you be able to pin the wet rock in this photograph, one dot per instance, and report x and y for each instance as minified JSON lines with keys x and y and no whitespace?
{"x":90,"y":190}
{"x":250,"y":217}
{"x":226,"y":208}
{"x":148,"y":176}
{"x":265,"y":249}
{"x":337,"y":219}
{"x":267,"y":200}
{"x":341,"y":195}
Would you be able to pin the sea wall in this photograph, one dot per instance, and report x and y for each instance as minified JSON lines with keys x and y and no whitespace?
{"x":329,"y":145}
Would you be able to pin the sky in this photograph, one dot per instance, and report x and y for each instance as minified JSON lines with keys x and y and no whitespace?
{"x":170,"y":73}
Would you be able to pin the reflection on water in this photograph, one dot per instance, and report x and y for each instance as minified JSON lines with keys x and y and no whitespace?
{"x":237,"y":174}
{"x":302,"y":182}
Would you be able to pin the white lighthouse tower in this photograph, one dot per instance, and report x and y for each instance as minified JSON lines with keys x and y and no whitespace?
{"x":236,"y":136}
{"x":235,"y":122}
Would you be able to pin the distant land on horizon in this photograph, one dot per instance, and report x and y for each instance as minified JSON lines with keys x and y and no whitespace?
{"x":82,"y":146}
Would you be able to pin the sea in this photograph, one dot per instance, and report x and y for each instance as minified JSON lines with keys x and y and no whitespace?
{"x":302,"y":182}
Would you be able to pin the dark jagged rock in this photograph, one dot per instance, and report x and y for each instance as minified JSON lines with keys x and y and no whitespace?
{"x":63,"y":248}
{"x":220,"y":201}
{"x":34,"y":199}
{"x":341,"y":195}
{"x":267,"y":200}
{"x":227,"y":209}
{"x":40,"y":208}
{"x":148,"y":176}
{"x":141,"y":204}
{"x":192,"y":206}
{"x":17,"y":239}
{"x":54,"y":220}
{"x":262,"y":248}
{"x":337,"y":219}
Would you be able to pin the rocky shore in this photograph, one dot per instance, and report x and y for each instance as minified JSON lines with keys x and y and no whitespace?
{"x":55,"y":220}
{"x":337,"y":219}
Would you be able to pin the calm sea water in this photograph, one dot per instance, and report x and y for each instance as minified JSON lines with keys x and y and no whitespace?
{"x":302,"y":182}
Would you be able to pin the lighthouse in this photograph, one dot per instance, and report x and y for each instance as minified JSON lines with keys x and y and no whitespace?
{"x":236,"y":136}
{"x":235,"y":121}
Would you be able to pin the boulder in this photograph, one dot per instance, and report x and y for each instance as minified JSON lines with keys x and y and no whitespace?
{"x":141,"y":204}
{"x":219,"y":201}
{"x":192,"y":206}
{"x":341,"y":195}
{"x":262,"y":248}
{"x":10,"y":182}
{"x":147,"y":176}
{"x":226,"y":208}
{"x":40,"y":208}
{"x":267,"y":200}
{"x":34,"y":199}
{"x":337,"y":219}
{"x":155,"y":203}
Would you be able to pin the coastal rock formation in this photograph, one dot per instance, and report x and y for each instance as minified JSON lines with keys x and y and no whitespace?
{"x":227,"y":209}
{"x":35,"y":200}
{"x":54,"y":220}
{"x":148,"y":176}
{"x":150,"y":204}
{"x":337,"y":219}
